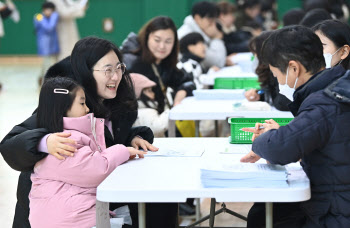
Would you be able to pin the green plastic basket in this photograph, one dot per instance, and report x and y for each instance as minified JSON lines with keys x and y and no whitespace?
{"x":242,"y":137}
{"x":236,"y":83}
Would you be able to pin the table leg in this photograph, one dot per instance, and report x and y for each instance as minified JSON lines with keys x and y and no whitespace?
{"x":212,"y":212}
{"x":171,"y":129}
{"x":216,"y":128}
{"x":102,"y":215}
{"x":196,"y":124}
{"x":198,"y":209}
{"x":269,"y":215}
{"x":142,"y":215}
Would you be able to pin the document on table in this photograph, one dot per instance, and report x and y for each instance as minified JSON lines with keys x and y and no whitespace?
{"x":223,"y":173}
{"x":177,"y":151}
{"x":237,"y":149}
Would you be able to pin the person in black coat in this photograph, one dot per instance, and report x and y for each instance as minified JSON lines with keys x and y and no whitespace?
{"x":154,"y":53}
{"x":20,"y":147}
{"x":269,"y":91}
{"x":318,"y":136}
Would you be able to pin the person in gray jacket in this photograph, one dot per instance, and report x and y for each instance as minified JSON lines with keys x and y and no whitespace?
{"x":203,"y":21}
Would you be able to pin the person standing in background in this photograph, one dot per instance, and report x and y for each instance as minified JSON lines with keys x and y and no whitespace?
{"x":45,"y":24}
{"x":67,"y":28}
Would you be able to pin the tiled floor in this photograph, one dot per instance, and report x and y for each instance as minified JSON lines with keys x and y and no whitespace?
{"x":18,"y":99}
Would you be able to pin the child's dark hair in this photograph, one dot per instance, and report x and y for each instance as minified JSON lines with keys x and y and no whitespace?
{"x":54,"y":106}
{"x":296,"y":43}
{"x":48,"y":5}
{"x":190,"y":39}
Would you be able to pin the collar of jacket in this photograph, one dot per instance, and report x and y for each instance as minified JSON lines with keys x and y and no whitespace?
{"x":84,"y":124}
{"x":188,"y":55}
{"x":340,"y":89}
{"x":317,"y":82}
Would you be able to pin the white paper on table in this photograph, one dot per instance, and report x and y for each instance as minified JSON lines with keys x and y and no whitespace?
{"x":176,"y":151}
{"x":237,"y":149}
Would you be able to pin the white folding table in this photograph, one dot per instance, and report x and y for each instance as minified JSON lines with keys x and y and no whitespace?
{"x":174,"y":179}
{"x":193,"y":109}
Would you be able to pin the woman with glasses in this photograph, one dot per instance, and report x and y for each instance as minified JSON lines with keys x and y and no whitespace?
{"x":154,"y":53}
{"x":97,"y":65}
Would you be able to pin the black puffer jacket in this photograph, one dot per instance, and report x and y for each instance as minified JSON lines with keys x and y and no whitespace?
{"x":320,"y":136}
{"x":171,"y":77}
{"x":19,"y":149}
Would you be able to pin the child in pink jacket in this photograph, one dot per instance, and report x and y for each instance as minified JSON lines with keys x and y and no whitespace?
{"x":63,"y":192}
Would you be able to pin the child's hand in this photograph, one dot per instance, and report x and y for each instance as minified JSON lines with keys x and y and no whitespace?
{"x":133,"y":152}
{"x":57,"y":145}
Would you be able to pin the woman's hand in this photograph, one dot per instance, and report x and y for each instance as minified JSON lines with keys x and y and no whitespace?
{"x":251,"y":157}
{"x":252,"y":95}
{"x":138,"y":142}
{"x":57,"y":145}
{"x":133,"y":152}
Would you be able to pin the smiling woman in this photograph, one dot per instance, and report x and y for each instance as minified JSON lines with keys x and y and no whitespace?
{"x":154,"y":53}
{"x":109,"y":96}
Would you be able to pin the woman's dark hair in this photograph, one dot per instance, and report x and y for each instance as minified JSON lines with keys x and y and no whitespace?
{"x":86,"y":53}
{"x":146,"y":100}
{"x":263,"y":70}
{"x":296,"y":43}
{"x":226,"y":7}
{"x":205,"y":9}
{"x":338,"y":32}
{"x":190,"y":39}
{"x":155,"y":24}
{"x":54,"y":106}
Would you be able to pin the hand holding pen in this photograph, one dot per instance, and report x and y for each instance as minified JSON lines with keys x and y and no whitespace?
{"x":261,"y":128}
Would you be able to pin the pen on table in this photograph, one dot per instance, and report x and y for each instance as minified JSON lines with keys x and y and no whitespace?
{"x":260,"y":127}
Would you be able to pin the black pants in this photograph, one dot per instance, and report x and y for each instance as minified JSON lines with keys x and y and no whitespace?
{"x":285,"y":215}
{"x":158,"y":215}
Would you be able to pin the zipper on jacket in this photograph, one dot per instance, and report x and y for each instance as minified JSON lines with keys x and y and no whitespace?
{"x":93,"y":129}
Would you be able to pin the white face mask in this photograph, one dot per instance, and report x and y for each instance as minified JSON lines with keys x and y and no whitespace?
{"x":328,"y":58}
{"x":286,"y":90}
{"x":255,"y":63}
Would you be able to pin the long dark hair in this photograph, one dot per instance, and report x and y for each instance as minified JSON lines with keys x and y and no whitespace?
{"x":146,"y":101}
{"x":86,"y":53}
{"x":155,"y":24}
{"x":54,"y":106}
{"x":263,"y":70}
{"x":338,"y":32}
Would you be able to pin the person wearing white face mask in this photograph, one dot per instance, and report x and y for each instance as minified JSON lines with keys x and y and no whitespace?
{"x":335,"y":38}
{"x":269,"y":91}
{"x":318,"y":137}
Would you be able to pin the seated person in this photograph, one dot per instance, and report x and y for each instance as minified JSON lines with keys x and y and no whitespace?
{"x":318,"y":136}
{"x":203,"y":21}
{"x":193,"y":50}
